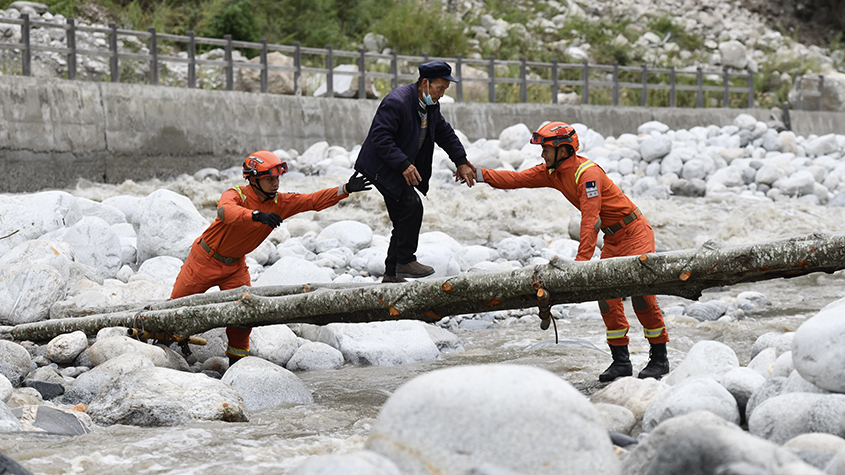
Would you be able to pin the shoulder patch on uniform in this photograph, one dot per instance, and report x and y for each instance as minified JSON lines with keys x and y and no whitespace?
{"x":592,"y":189}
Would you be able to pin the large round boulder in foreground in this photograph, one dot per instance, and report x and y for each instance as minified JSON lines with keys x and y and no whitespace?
{"x":492,"y":419}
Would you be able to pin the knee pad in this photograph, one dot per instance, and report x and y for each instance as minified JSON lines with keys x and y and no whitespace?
{"x":639,"y":303}
{"x":603,"y":306}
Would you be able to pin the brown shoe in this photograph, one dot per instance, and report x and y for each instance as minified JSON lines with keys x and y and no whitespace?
{"x":392,"y":279}
{"x":414,"y":270}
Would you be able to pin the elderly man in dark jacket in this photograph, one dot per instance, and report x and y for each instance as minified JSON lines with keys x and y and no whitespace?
{"x":396,"y":157}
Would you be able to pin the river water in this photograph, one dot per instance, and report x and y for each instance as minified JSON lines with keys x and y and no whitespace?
{"x":348,"y":400}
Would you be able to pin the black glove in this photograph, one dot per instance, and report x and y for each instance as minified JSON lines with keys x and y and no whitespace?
{"x":270,"y":219}
{"x":358,"y":182}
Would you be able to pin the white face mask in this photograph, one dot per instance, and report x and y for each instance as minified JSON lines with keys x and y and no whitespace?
{"x":427,"y":97}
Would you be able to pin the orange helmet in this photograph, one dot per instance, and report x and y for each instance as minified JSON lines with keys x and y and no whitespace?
{"x":556,"y":134}
{"x":264,"y":163}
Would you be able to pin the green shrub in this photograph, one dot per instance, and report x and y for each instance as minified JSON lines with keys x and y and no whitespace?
{"x":415,"y":28}
{"x":665,"y":24}
{"x":229,"y":17}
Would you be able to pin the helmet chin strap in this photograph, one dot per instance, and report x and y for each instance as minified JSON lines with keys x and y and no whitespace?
{"x":558,"y":161}
{"x":256,"y":184}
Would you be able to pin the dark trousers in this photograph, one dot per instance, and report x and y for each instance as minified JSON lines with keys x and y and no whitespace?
{"x":406,"y":216}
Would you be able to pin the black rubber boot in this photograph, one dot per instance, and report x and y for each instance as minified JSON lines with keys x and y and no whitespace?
{"x":233,"y":360}
{"x":621,"y":365}
{"x":658,"y":362}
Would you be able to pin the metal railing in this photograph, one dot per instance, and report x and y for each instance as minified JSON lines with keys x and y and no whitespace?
{"x":536,"y":81}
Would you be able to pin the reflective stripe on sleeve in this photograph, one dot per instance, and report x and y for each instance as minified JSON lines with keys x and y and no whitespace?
{"x":240,"y":192}
{"x":479,"y":176}
{"x":581,"y":169}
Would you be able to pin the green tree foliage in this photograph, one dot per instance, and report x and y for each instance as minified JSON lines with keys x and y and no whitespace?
{"x":232,"y":17}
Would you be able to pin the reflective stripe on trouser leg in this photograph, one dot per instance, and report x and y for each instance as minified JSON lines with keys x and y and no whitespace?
{"x":651,"y":319}
{"x":238,"y":342}
{"x":616,"y":334}
{"x":613,"y":314}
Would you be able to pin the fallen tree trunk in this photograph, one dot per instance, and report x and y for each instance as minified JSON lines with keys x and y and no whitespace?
{"x":682,"y":273}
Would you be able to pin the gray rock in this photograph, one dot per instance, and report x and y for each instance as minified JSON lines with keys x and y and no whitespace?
{"x":39,"y":8}
{"x":463,"y":420}
{"x":704,"y":358}
{"x":315,"y":355}
{"x":24,"y":396}
{"x":65,"y":348}
{"x":766,"y":340}
{"x":815,"y":449}
{"x":734,"y":54}
{"x":8,"y":421}
{"x":362,"y":462}
{"x":47,"y":389}
{"x":263,"y":384}
{"x":706,"y":311}
{"x":647,"y":128}
{"x":108,"y":348}
{"x":36,"y":287}
{"x":795,"y":383}
{"x":741,"y":383}
{"x":688,"y":396}
{"x":694,"y":187}
{"x":655,"y":147}
{"x":53,"y":420}
{"x":836,"y":466}
{"x":818,"y":353}
{"x":632,"y":393}
{"x":94,"y":243}
{"x":783,"y":366}
{"x":783,"y":417}
{"x":445,"y":340}
{"x":215,"y":346}
{"x":218,"y":364}
{"x":5,"y":388}
{"x":165,"y":397}
{"x":83,"y":360}
{"x":15,"y":362}
{"x":784,"y":343}
{"x":168,"y":223}
{"x":381,"y":343}
{"x":763,"y":362}
{"x":822,"y":145}
{"x":702,"y":443}
{"x":59,"y":255}
{"x":109,"y":332}
{"x":771,"y":388}
{"x":274,"y":343}
{"x":618,"y":419}
{"x":87,"y":385}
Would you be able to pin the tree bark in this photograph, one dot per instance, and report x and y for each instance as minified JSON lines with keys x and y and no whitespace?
{"x":683,"y":273}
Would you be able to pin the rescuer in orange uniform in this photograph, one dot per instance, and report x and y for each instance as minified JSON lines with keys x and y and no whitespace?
{"x":246,"y":215}
{"x":626,"y":232}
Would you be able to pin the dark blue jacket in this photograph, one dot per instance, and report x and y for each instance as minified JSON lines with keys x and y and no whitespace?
{"x":393,"y":143}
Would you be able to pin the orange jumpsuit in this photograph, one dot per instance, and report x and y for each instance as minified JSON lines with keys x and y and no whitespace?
{"x":602,"y":205}
{"x":233,"y":235}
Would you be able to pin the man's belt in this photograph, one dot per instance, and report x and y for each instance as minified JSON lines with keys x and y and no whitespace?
{"x":223,"y":259}
{"x":614,"y":228}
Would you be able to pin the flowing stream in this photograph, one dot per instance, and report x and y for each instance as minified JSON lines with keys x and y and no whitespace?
{"x":348,"y":400}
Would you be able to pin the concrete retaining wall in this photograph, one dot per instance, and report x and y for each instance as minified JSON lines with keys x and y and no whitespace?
{"x":54,"y":132}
